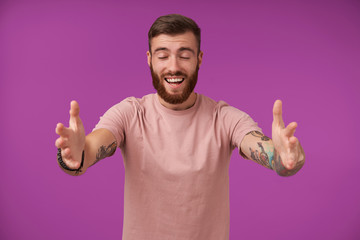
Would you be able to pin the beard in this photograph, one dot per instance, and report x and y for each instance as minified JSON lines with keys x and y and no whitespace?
{"x":174,"y":98}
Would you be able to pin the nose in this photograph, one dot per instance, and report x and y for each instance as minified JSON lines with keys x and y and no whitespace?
{"x":173,"y":66}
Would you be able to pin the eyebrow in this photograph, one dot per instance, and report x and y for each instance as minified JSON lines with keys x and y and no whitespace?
{"x":180,"y":49}
{"x":186,"y":49}
{"x":161,"y":49}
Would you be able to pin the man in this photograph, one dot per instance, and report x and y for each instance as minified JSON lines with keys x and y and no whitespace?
{"x":176,"y":144}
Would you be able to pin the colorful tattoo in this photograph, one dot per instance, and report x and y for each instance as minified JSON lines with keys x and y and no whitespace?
{"x":261,"y":157}
{"x":266,"y":155}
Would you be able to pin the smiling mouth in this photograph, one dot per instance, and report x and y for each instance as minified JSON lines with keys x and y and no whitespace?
{"x":174,"y":81}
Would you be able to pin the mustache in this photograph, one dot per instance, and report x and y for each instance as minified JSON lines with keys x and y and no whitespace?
{"x":173,"y":74}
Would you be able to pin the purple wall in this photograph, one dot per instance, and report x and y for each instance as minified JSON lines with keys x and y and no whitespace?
{"x":306,"y":53}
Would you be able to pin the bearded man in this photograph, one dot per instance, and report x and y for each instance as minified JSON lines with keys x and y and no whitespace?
{"x":176,"y":144}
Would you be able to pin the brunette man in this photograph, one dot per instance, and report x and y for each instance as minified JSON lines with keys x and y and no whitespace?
{"x":177,"y":144}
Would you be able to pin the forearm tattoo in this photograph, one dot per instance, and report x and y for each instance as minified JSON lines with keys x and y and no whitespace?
{"x":270,"y":158}
{"x":259,"y":135}
{"x":260,"y":155}
{"x":104,"y":152}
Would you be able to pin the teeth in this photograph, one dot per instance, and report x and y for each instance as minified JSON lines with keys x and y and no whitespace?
{"x":174,"y":80}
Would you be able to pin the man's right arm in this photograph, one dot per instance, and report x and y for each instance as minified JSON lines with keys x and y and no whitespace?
{"x":99,"y":144}
{"x":72,"y":141}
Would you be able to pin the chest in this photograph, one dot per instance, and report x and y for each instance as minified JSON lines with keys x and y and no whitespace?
{"x":177,"y":145}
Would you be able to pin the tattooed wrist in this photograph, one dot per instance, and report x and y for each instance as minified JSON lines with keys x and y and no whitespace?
{"x":278,"y":165}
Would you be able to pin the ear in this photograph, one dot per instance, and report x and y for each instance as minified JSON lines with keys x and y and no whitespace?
{"x":148,"y":57}
{"x":200,"y":58}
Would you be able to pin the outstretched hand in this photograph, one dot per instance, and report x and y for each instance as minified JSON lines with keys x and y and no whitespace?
{"x":286,"y":145}
{"x":72,"y":139}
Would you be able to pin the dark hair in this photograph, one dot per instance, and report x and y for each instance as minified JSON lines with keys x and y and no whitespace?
{"x":173,"y":24}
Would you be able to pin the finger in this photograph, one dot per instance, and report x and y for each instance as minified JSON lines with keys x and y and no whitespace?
{"x":74,"y":114}
{"x":67,"y":158}
{"x":58,"y":143}
{"x":290,"y":129}
{"x":66,"y":153}
{"x":61,"y":130}
{"x":61,"y":143}
{"x":74,"y":109}
{"x":290,"y":164}
{"x":289,"y":160}
{"x":277,"y":113}
{"x":293,"y":142}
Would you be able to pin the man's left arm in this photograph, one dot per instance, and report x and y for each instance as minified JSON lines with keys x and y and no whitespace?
{"x":283,"y":153}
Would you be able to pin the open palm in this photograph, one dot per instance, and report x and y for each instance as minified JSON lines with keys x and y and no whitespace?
{"x":72,"y":139}
{"x":286,"y":144}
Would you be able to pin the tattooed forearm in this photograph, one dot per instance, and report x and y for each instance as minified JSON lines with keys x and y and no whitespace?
{"x":261,"y":157}
{"x":261,"y":153}
{"x":261,"y":150}
{"x":104,"y":152}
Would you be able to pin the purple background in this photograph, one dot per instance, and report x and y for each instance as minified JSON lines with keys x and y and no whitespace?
{"x":306,"y":53}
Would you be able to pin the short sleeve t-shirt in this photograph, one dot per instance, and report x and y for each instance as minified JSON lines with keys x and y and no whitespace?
{"x":176,"y":166}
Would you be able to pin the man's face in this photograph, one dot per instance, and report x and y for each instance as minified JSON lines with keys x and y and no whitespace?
{"x":174,"y":63}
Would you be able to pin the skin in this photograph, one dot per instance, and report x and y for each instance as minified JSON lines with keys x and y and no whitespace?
{"x":284,"y":152}
{"x":170,"y":54}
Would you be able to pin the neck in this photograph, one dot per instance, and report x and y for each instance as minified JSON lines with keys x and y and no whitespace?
{"x":182,"y":106}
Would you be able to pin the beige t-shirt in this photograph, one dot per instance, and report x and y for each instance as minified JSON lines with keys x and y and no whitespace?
{"x":176,"y":166}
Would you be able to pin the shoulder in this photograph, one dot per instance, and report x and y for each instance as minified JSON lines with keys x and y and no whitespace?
{"x":210,"y":104}
{"x":221,"y":107}
{"x":134,"y":103}
{"x":128,"y":108}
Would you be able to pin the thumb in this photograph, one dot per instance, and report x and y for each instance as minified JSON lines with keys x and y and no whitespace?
{"x":74,"y":113}
{"x":74,"y":109}
{"x":277,"y":114}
